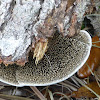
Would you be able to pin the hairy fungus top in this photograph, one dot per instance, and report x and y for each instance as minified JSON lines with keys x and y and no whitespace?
{"x":23,"y":23}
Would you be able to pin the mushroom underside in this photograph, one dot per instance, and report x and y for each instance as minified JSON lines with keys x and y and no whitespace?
{"x":64,"y":57}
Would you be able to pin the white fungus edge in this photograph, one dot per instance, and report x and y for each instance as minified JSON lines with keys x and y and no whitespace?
{"x":64,"y":78}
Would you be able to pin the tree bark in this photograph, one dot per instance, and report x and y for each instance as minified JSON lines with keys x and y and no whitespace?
{"x":24,"y":23}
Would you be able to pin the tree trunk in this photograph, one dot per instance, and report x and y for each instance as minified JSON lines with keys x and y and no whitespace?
{"x":26,"y":25}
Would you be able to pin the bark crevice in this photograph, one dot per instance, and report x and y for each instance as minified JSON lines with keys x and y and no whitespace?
{"x":23,"y":23}
{"x":7,"y":15}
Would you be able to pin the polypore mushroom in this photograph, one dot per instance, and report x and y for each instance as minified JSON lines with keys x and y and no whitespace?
{"x":64,"y":57}
{"x":93,"y":61}
{"x":26,"y":26}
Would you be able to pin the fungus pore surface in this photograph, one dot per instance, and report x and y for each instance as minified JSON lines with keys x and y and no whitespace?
{"x":63,"y":58}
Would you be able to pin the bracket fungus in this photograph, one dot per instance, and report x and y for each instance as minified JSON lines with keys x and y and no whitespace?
{"x":28,"y":28}
{"x":64,"y":57}
{"x":93,"y":61}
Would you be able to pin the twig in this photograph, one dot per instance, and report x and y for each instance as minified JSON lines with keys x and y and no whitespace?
{"x":38,"y":93}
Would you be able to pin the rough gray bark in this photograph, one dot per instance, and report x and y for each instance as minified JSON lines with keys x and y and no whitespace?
{"x":23,"y":22}
{"x":95,"y":18}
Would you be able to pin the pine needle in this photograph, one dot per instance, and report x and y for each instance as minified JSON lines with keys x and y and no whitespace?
{"x":96,"y":42}
{"x":38,"y":93}
{"x":51,"y":95}
{"x":96,"y":46}
{"x":87,"y":87}
{"x":62,"y":94}
{"x":10,"y":97}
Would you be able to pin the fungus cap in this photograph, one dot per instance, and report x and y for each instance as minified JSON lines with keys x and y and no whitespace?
{"x":64,"y":58}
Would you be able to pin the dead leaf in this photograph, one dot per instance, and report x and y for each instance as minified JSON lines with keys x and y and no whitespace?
{"x":93,"y":60}
{"x":98,"y":72}
{"x":84,"y":92}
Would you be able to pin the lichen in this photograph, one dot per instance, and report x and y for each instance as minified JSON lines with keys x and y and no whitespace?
{"x":16,"y":35}
{"x":23,"y":22}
